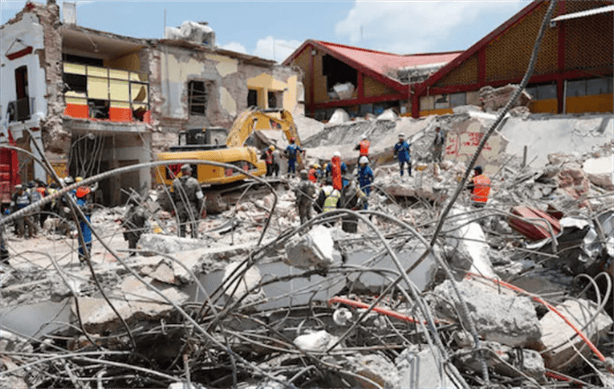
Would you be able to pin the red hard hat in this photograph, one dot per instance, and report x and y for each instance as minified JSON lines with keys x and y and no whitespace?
{"x":83,"y":191}
{"x":292,"y":139}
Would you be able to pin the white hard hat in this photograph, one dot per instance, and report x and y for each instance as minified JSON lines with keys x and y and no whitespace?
{"x":186,"y":167}
{"x":337,"y":154}
{"x":401,"y":135}
{"x":364,"y":136}
{"x":363,"y":159}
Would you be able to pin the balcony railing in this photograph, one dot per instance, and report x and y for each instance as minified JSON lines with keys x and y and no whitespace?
{"x":94,"y":92}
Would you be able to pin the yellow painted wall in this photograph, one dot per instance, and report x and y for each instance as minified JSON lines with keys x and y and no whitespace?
{"x":375,"y":88}
{"x":436,"y":112}
{"x":544,"y":106}
{"x":265,"y":83}
{"x":595,"y":103}
{"x":321,"y":93}
{"x":225,"y":65}
{"x":128,"y":62}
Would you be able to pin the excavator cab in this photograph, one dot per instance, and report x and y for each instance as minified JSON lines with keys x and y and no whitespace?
{"x":211,"y":138}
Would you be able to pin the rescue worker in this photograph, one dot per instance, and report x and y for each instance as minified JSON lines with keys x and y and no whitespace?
{"x":365,"y":177}
{"x":269,"y":160}
{"x":20,"y":200}
{"x":134,"y":223}
{"x":363,"y":147}
{"x":84,"y":203}
{"x":479,"y":187}
{"x":403,"y":153}
{"x":438,"y":144}
{"x":314,"y":173}
{"x":336,"y":168}
{"x":41,"y":188}
{"x":35,"y":196}
{"x":351,"y":198}
{"x":327,"y":199}
{"x":304,"y":196}
{"x":292,"y":152}
{"x":189,"y":200}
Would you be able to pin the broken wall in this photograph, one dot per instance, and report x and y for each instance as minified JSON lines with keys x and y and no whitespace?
{"x":226,"y":79}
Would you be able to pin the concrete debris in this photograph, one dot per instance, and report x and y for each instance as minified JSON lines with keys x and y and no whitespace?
{"x":507,"y":361}
{"x":422,"y":368}
{"x":499,"y":317}
{"x":339,"y":116}
{"x":154,"y":243}
{"x":344,"y":91}
{"x":196,"y":32}
{"x":260,"y":297}
{"x":599,"y":172}
{"x":315,"y":341}
{"x":374,"y":367}
{"x":314,"y":249}
{"x":388,"y":114}
{"x":493,"y":99}
{"x":560,"y":344}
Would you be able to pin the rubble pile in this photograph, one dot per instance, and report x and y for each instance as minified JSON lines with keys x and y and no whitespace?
{"x":517,"y":293}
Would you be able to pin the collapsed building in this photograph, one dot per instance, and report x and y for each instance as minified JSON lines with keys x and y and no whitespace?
{"x":573,"y":71}
{"x":94,"y":101}
{"x":515,"y":294}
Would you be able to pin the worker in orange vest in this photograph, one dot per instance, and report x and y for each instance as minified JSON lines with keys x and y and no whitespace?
{"x":479,"y":187}
{"x":314,"y":173}
{"x":363,"y":147}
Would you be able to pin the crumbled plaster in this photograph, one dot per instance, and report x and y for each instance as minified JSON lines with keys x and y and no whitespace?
{"x":225,"y":65}
{"x":229,"y":104}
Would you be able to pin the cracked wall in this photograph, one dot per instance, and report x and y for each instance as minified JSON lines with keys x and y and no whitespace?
{"x":227,"y":80}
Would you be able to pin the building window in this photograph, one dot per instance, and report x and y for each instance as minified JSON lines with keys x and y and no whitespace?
{"x":542,"y":92}
{"x":252,"y":98}
{"x":599,"y":86}
{"x":337,"y":72}
{"x":576,"y":88}
{"x":20,"y":108}
{"x":272,"y":98}
{"x":442,"y":102}
{"x":197,"y":98}
{"x":458,"y":99}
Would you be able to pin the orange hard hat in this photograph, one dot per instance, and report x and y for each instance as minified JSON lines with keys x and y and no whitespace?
{"x":83,"y":191}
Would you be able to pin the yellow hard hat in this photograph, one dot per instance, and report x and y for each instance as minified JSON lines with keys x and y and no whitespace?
{"x":78,"y":179}
{"x":316,"y":166}
{"x":271,"y":147}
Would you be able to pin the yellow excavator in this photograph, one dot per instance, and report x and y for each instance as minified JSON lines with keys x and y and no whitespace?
{"x":215,"y":144}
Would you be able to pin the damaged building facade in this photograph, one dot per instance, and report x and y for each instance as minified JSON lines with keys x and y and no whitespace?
{"x":573,"y":71}
{"x":199,"y":86}
{"x":358,"y":80}
{"x":95,"y":101}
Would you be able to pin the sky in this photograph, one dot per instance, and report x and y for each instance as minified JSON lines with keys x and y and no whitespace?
{"x":274,"y":29}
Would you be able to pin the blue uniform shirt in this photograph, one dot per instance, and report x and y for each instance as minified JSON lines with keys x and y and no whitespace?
{"x":402,"y":150}
{"x":292,"y":150}
{"x":365,"y":176}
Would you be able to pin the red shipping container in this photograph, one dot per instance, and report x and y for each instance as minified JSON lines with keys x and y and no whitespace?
{"x":533,"y":229}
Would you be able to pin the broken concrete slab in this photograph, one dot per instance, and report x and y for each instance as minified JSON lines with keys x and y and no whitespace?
{"x":499,"y":315}
{"x":134,"y":302}
{"x":421,"y":368}
{"x":599,"y":172}
{"x":339,"y":117}
{"x":493,"y":99}
{"x":155,"y":243}
{"x":314,"y":249}
{"x":468,"y":242}
{"x":243,"y":285}
{"x":558,"y":333}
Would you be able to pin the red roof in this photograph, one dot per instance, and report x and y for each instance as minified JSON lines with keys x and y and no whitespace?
{"x":382,"y":62}
{"x":373,"y":63}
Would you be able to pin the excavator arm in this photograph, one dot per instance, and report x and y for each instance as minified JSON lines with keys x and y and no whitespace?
{"x":245,"y":125}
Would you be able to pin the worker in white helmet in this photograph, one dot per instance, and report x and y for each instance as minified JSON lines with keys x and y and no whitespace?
{"x":365,"y":175}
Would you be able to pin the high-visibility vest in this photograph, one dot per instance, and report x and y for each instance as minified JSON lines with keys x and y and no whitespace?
{"x":364,"y":147}
{"x":268,"y":159}
{"x":41,"y":190}
{"x":331,"y":200}
{"x":336,"y":173}
{"x":481,"y":188}
{"x":312,"y":175}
